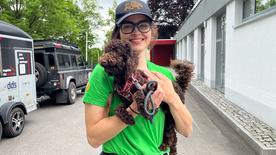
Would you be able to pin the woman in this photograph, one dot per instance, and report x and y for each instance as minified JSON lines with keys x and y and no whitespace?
{"x":134,"y":25}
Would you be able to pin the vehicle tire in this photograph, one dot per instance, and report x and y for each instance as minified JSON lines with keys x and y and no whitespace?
{"x":40,"y":74}
{"x":72,"y":93}
{"x":16,"y":122}
{"x":1,"y":130}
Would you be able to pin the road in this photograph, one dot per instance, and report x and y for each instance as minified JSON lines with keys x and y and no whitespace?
{"x":59,"y":129}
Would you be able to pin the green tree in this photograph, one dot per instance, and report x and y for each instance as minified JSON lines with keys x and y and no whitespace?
{"x":110,"y":21}
{"x":93,"y":55}
{"x":169,"y":15}
{"x":66,"y":20}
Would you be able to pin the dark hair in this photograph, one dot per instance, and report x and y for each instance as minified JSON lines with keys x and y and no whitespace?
{"x":115,"y":33}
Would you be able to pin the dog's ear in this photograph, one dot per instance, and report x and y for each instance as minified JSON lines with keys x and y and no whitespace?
{"x":184,"y":73}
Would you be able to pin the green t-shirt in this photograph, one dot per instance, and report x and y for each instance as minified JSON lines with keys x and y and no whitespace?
{"x":143,"y":138}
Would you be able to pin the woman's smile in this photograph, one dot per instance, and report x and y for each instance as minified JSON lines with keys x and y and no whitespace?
{"x":136,"y":40}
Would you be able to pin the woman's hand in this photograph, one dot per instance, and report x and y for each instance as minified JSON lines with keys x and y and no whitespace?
{"x":164,"y":84}
{"x":157,"y":97}
{"x":181,"y":115}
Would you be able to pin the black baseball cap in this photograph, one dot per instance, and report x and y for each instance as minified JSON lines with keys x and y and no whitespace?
{"x":131,"y":7}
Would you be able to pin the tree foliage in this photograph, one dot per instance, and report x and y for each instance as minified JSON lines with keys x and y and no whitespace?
{"x":169,"y":14}
{"x":66,"y":20}
{"x":264,"y":4}
{"x":111,"y":21}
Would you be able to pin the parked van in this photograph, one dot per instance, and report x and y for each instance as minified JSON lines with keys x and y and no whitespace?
{"x":60,"y":70}
{"x":17,"y":79}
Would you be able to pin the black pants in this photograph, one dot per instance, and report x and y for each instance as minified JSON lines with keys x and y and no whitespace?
{"x":103,"y":153}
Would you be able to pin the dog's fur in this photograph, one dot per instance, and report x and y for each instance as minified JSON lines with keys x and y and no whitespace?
{"x":120,"y":61}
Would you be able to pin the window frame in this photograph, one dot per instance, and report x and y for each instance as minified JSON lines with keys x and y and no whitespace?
{"x":253,"y":10}
{"x":63,"y":55}
{"x":1,"y":65}
{"x":80,"y":61}
{"x":29,"y":63}
{"x":72,"y":56}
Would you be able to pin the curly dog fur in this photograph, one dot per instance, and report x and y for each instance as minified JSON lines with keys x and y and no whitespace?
{"x":120,"y":61}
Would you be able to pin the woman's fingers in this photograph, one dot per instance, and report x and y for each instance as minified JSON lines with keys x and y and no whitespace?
{"x":160,"y":76}
{"x":158,"y":96}
{"x":151,"y":75}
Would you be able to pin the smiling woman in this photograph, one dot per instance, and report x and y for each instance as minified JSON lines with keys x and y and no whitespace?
{"x":107,"y":123}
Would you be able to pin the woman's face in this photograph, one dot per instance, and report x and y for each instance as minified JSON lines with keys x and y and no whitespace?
{"x":138,"y":40}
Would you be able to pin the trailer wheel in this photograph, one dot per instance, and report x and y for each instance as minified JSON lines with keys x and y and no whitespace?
{"x":40,"y":74}
{"x":16,"y":122}
{"x":1,"y":130}
{"x":72,"y":93}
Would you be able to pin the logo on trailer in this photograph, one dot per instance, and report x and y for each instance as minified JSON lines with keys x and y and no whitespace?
{"x":11,"y":85}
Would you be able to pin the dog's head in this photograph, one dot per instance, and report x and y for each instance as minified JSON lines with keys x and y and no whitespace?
{"x":119,"y":60}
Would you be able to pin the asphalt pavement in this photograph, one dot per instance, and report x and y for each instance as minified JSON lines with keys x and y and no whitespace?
{"x":59,"y":129}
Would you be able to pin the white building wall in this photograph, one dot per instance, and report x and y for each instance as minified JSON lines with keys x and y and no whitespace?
{"x":185,"y":48}
{"x":188,"y":47}
{"x":196,"y":58}
{"x":182,"y":49}
{"x":178,"y":50}
{"x":250,"y":78}
{"x":210,"y":55}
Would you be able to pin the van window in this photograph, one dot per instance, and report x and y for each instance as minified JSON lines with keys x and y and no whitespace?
{"x":39,"y":57}
{"x":63,"y":61}
{"x":24,"y":63}
{"x":51,"y":61}
{"x":8,"y":68}
{"x":1,"y":68}
{"x":73,"y":60}
{"x":80,"y":61}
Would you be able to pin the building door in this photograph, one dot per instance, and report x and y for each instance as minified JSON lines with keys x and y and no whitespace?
{"x":202,"y":54}
{"x":220,"y":53}
{"x":26,"y":80}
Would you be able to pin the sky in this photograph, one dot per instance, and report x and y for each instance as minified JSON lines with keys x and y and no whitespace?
{"x":104,"y":12}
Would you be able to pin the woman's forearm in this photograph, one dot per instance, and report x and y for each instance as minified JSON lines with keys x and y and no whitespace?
{"x":105,"y":130}
{"x":182,"y":117}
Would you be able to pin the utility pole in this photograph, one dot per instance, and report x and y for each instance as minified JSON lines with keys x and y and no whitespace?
{"x":86,"y":44}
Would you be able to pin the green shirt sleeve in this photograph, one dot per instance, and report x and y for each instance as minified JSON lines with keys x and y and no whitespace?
{"x":98,"y":88}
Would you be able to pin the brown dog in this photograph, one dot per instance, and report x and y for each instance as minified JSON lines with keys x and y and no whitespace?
{"x":120,"y":61}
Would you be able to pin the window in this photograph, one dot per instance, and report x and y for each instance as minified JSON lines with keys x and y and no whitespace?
{"x":39,"y":57}
{"x":262,"y":5}
{"x":251,"y":7}
{"x":51,"y":61}
{"x":63,"y":61}
{"x":24,"y":63}
{"x":7,"y":61}
{"x":73,"y":60}
{"x":1,"y":68}
{"x":80,"y":61}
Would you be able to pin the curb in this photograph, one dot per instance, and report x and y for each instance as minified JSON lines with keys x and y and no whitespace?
{"x":255,"y":141}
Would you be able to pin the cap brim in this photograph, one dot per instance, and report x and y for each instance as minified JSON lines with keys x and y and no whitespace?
{"x":129,"y":14}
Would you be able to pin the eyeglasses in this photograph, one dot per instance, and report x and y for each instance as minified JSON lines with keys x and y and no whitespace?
{"x":128,"y":27}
